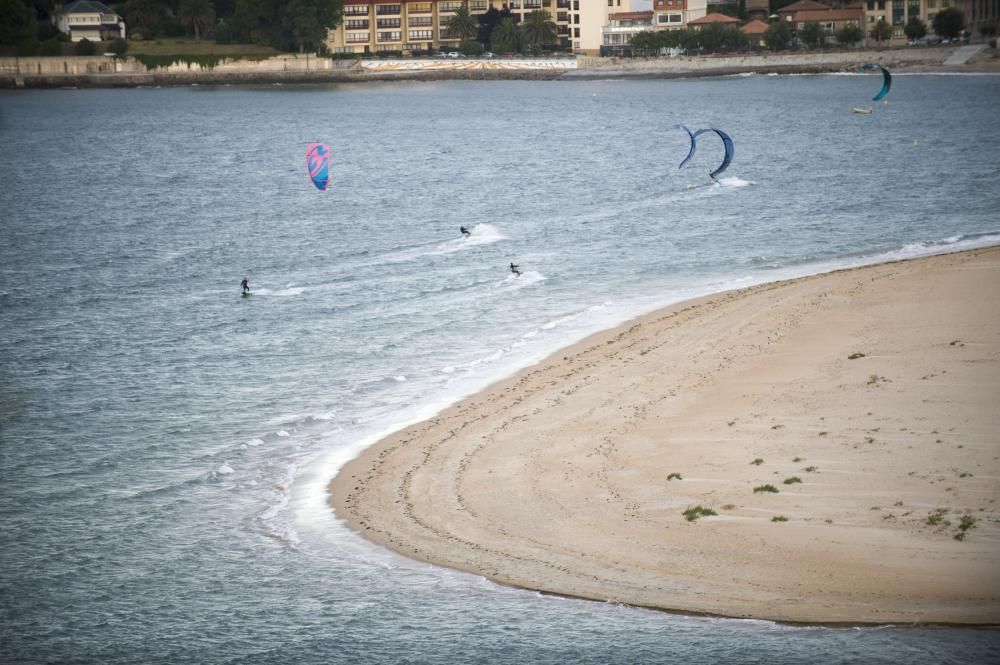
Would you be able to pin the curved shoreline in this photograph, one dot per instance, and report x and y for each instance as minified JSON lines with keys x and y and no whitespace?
{"x":556,"y":478}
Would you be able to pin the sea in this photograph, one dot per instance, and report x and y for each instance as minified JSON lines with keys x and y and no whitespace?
{"x":166,"y":444}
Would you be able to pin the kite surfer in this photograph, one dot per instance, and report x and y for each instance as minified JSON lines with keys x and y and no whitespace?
{"x":245,"y":285}
{"x":465,"y":231}
{"x":513,"y":269}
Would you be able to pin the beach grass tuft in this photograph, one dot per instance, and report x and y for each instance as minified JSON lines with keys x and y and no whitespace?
{"x":758,"y":461}
{"x":810,"y":469}
{"x":792,"y":480}
{"x":765,"y":488}
{"x":936,"y":517}
{"x":674,"y":475}
{"x":855,"y":356}
{"x":691,"y":514}
{"x":779,"y":518}
{"x":965,"y":523}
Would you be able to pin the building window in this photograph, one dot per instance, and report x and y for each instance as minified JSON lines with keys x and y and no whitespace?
{"x":356,"y":24}
{"x":358,"y":38}
{"x":393,"y":36}
{"x":479,"y":5}
{"x":420,"y":21}
{"x":355,"y":10}
{"x":418,"y":35}
{"x":387,"y":10}
{"x":419,"y":8}
{"x":388,"y":23}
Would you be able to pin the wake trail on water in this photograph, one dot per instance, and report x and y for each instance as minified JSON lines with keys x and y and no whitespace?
{"x":526,"y":278}
{"x":479,"y":235}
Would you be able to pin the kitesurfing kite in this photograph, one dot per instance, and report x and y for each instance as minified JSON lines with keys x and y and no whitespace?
{"x":318,"y":161}
{"x":886,"y":80}
{"x":726,"y":142}
{"x":691,"y":149}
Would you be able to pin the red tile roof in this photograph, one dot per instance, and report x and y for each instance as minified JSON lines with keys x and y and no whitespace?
{"x":624,"y":16}
{"x":803,"y":5}
{"x":714,"y":17}
{"x":853,"y":14}
{"x":754,"y":27}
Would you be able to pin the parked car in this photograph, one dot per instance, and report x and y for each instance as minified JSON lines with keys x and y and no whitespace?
{"x":455,"y":54}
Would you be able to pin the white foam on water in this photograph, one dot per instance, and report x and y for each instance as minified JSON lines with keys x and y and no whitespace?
{"x":280,"y":293}
{"x":526,"y":278}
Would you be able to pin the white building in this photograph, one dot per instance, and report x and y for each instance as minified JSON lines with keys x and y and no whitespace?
{"x":86,"y":19}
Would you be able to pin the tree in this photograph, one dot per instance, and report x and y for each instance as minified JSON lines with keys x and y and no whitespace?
{"x":538,"y":29}
{"x":199,"y":15}
{"x":949,"y":22}
{"x":305,"y":23}
{"x":812,"y":34}
{"x":143,"y":16}
{"x":253,"y":20}
{"x":915,"y":28}
{"x":17,"y":22}
{"x":850,"y":35}
{"x":506,"y":37}
{"x":777,"y":36}
{"x":987,"y":29}
{"x":462,"y":25}
{"x":489,"y":21}
{"x":881,"y":32}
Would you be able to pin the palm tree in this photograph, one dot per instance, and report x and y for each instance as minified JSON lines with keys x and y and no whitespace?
{"x":199,"y":14}
{"x":538,"y":29}
{"x":506,"y":36}
{"x":462,"y":25}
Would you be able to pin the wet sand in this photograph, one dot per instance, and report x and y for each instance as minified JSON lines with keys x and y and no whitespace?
{"x":868,"y":398}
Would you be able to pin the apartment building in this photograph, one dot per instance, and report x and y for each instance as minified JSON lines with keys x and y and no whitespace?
{"x":896,"y":13}
{"x":414,"y":26}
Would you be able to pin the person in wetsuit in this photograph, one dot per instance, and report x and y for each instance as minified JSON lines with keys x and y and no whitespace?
{"x":245,"y":285}
{"x":465,"y":231}
{"x":513,"y":269}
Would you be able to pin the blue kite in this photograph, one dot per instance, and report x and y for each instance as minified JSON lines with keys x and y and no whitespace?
{"x":726,"y":141}
{"x":886,"y":80}
{"x":691,"y":149}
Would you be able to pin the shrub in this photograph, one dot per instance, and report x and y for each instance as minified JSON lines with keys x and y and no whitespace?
{"x":674,"y":475}
{"x":765,"y":488}
{"x":117,"y":46}
{"x":50,"y":47}
{"x":85,"y":47}
{"x":779,"y":518}
{"x":471,"y":47}
{"x":855,"y":356}
{"x":792,"y":480}
{"x":691,"y":514}
{"x":758,"y":461}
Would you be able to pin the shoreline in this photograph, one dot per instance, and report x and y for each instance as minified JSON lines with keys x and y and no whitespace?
{"x":555,"y":479}
{"x":100,"y":72}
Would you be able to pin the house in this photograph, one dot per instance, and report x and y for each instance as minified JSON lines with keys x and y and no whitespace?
{"x":676,"y":14}
{"x":86,"y":19}
{"x":755,"y":30}
{"x":621,"y":27}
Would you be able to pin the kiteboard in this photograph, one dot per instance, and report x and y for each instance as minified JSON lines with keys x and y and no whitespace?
{"x":247,"y":294}
{"x":857,"y":110}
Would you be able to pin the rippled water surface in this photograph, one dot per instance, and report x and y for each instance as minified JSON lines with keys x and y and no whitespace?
{"x":165,"y":444}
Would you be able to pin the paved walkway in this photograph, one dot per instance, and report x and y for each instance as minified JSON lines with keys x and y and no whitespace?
{"x":962,"y":54}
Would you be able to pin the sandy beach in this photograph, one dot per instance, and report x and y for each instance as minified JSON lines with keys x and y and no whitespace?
{"x":867,"y":399}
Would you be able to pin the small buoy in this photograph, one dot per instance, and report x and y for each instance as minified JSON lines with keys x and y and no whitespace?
{"x":915,"y":143}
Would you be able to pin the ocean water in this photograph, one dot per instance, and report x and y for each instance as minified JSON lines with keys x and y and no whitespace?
{"x":165,"y":444}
